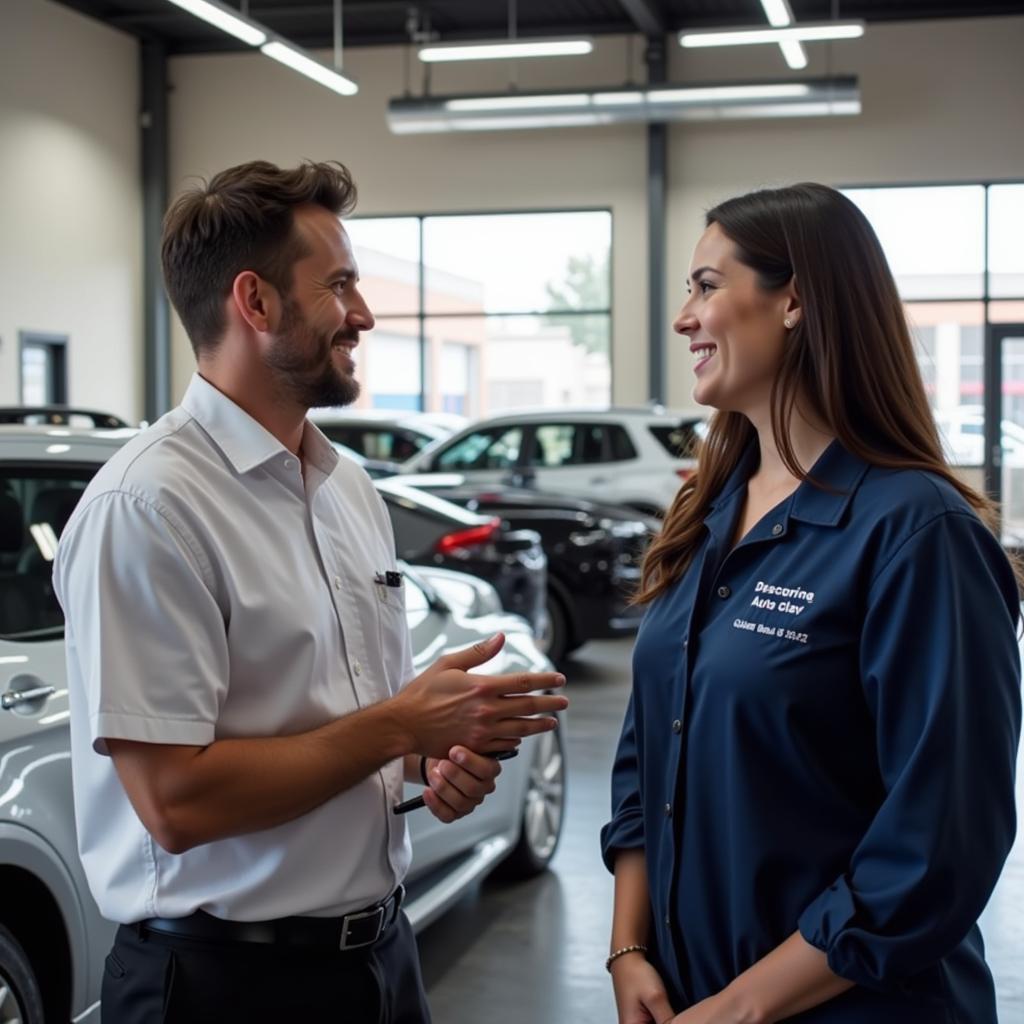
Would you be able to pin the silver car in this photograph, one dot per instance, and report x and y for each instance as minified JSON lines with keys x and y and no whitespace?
{"x":52,"y":938}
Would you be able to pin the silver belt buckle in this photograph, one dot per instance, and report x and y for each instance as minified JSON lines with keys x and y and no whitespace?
{"x":378,"y":912}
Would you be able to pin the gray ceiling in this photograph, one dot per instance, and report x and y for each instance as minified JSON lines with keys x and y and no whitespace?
{"x":385,"y":22}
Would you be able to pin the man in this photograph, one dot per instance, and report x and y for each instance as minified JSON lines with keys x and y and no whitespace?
{"x":244,"y":710}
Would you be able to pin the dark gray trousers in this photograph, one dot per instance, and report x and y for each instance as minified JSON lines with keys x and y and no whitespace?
{"x":154,"y":978}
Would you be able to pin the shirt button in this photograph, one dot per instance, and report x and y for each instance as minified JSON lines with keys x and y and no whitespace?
{"x":677,"y":726}
{"x":289,"y":463}
{"x":668,"y":810}
{"x":357,"y":668}
{"x":337,"y":583}
{"x":668,"y":920}
{"x":686,"y":641}
{"x":776,"y":529}
{"x":724,"y":591}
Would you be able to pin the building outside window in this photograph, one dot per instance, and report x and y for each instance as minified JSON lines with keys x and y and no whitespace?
{"x":477,"y":314}
{"x":956,"y":254}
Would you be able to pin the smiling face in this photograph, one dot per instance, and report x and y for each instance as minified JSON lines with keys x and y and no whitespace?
{"x":310,"y":357}
{"x":736,"y":329}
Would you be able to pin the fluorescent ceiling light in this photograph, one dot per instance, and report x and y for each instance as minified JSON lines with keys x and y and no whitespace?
{"x":615,"y":99}
{"x":795,"y":55}
{"x":519,"y":102}
{"x":512,"y":48}
{"x":807,"y":98}
{"x":226,"y":19}
{"x":777,"y":12}
{"x":299,"y":60}
{"x":724,"y":93}
{"x":525,"y":121}
{"x":743,"y":37}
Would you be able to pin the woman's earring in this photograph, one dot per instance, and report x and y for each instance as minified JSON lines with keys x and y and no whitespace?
{"x":788,"y":322}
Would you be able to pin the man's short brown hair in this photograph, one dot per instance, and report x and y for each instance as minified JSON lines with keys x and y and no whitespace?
{"x":243,"y":219}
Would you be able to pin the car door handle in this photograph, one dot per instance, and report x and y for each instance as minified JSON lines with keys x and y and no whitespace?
{"x":12,"y":698}
{"x":600,"y":479}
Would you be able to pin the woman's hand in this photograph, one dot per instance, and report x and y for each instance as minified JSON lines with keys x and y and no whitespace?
{"x":639,"y":992}
{"x":718,"y":1009}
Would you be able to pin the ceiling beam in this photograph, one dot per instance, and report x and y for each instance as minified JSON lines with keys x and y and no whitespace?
{"x":647,"y":15}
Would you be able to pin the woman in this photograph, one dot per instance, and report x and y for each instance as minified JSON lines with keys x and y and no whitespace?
{"x":813,"y":792}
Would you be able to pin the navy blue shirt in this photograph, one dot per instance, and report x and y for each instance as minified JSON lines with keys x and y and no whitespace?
{"x":821,"y":737}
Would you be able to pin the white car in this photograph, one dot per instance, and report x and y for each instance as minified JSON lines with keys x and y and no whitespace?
{"x":52,"y":937}
{"x":963,"y":435}
{"x":385,"y":434}
{"x":632,"y":457}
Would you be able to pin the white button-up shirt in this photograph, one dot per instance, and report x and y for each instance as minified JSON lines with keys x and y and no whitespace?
{"x":212,"y":590}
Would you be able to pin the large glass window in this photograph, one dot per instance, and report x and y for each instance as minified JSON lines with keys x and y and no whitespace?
{"x":1006,"y":241}
{"x":934,"y":238}
{"x":497,"y":311}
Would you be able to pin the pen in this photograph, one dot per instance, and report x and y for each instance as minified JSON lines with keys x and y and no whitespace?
{"x":417,"y":801}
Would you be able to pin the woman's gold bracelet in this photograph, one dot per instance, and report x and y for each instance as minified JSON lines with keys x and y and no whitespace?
{"x":622,"y":952}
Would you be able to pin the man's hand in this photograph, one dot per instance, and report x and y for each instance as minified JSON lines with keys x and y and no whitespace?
{"x":459,"y":783}
{"x":447,"y":706}
{"x":639,"y":992}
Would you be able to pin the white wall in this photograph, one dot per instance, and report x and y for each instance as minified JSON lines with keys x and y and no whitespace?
{"x":70,"y":219}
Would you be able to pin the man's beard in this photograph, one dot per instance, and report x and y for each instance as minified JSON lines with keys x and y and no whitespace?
{"x":302,"y":363}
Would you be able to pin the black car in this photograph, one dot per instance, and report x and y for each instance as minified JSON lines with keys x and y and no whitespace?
{"x":594,"y":554}
{"x":432,"y":531}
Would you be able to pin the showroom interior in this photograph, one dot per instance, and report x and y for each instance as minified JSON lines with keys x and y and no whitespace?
{"x":525,"y":253}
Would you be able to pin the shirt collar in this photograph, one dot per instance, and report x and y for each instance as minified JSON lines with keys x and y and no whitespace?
{"x":246,"y":443}
{"x":837,"y":474}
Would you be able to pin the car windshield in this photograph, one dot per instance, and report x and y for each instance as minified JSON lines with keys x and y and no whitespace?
{"x":36,"y":502}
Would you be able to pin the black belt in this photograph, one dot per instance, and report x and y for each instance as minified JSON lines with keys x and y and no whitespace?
{"x":353,"y":931}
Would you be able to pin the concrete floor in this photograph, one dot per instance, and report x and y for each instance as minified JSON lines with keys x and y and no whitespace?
{"x":535,"y":951}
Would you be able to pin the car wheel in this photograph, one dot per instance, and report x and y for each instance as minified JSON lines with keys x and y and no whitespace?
{"x":554,"y":641}
{"x":21,"y":1002}
{"x":543,"y":810}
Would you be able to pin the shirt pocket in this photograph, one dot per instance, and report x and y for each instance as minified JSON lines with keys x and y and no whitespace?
{"x":391,"y":621}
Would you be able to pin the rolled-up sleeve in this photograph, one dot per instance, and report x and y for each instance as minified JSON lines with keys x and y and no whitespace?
{"x":940,"y":671}
{"x":625,"y":831}
{"x":142,"y":623}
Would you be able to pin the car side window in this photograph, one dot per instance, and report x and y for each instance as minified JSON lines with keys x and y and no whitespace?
{"x":621,"y":444}
{"x":485,"y":449}
{"x":553,"y":445}
{"x":35,"y":505}
{"x":580,"y":444}
{"x":681,"y":440}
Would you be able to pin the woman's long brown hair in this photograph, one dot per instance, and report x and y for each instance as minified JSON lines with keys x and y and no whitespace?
{"x":850,"y":358}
